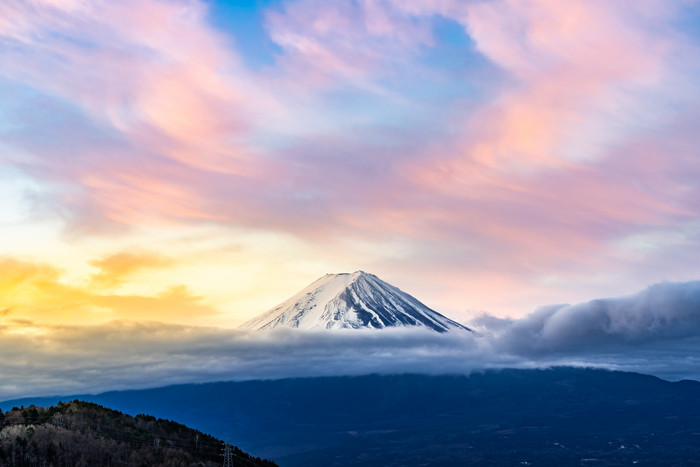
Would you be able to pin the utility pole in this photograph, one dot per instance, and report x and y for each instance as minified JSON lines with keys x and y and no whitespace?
{"x":228,"y":455}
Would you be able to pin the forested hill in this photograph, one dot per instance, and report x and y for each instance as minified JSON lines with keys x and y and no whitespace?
{"x":84,"y":433}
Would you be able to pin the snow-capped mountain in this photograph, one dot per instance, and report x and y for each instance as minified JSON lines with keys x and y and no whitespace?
{"x":357,"y":300}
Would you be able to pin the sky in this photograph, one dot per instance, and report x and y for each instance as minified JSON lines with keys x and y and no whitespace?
{"x":196,"y":163}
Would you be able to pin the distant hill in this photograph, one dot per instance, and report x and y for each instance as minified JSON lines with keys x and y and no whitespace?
{"x":85,"y":433}
{"x":559,"y":416}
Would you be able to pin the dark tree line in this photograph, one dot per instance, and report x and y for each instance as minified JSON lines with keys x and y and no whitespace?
{"x":86,"y":434}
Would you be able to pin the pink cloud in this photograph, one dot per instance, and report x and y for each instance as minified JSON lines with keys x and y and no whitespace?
{"x":569,"y":62}
{"x":345,"y":42}
{"x":154,"y":70}
{"x":534,"y":183}
{"x":154,"y":74}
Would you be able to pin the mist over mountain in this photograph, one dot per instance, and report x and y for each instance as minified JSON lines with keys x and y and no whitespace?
{"x":655,"y":331}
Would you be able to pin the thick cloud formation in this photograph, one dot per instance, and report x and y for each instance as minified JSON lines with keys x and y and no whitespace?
{"x":656,"y":331}
{"x":666,"y":312}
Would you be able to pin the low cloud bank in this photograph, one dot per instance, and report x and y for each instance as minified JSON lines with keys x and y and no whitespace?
{"x":656,"y":331}
{"x":121,"y":355}
{"x":662,"y":312}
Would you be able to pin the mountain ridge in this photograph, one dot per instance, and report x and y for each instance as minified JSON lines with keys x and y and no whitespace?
{"x":555,"y":416}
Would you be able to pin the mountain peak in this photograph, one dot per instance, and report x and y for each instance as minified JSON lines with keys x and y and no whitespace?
{"x":351,"y":300}
{"x":352,"y":275}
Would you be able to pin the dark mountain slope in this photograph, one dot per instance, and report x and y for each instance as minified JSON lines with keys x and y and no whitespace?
{"x":546,"y":417}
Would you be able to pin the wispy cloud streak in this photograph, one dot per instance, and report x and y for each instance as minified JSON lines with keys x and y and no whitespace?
{"x":568,"y":135}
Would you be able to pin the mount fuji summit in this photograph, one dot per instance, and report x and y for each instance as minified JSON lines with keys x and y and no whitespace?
{"x":352,"y":301}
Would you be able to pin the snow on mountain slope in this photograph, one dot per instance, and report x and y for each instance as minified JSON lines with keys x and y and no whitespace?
{"x":357,"y":300}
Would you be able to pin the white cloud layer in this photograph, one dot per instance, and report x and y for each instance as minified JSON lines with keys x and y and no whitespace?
{"x":656,"y":331}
